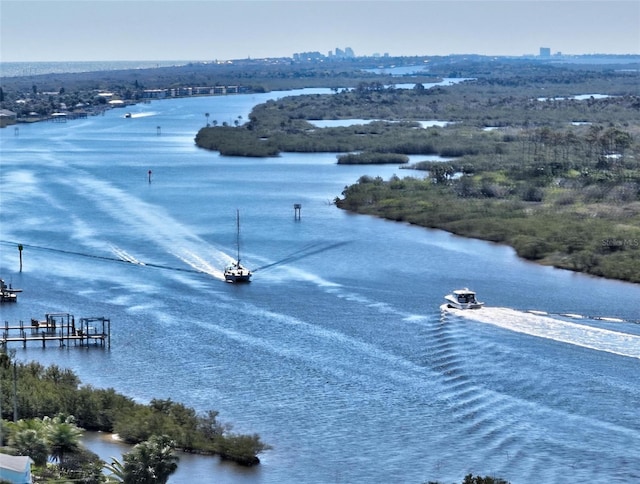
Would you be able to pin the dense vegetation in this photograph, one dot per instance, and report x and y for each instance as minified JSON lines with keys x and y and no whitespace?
{"x":53,"y":444}
{"x":48,"y":93}
{"x":34,"y":393}
{"x":556,"y":177}
{"x":52,"y":440}
{"x":368,"y":158}
{"x":283,"y":124}
{"x":563,"y":202}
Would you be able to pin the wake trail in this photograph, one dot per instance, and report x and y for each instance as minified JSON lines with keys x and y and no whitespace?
{"x":168,"y":233}
{"x":158,"y":226}
{"x":124,"y":256}
{"x":619,"y":343}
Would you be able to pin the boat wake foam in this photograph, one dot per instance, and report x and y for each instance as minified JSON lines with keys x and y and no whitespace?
{"x":163,"y":230}
{"x":543,"y":326}
{"x":144,"y":115}
{"x":124,"y":256}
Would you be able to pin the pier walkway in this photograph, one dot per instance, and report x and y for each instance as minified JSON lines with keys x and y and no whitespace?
{"x":59,"y":328}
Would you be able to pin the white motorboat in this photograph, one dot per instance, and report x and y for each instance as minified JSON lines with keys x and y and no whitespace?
{"x":463,"y":299}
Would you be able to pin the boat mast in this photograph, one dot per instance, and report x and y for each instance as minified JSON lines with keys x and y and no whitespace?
{"x":238,"y":234}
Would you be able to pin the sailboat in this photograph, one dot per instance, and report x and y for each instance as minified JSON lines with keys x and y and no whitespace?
{"x":236,"y":272}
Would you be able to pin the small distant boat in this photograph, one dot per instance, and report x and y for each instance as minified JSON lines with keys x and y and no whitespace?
{"x":236,"y":272}
{"x":463,"y":299}
{"x":7,"y":293}
{"x":128,"y":115}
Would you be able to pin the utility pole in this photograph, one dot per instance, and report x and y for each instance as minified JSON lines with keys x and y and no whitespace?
{"x":20,"y":251}
{"x":15,"y":393}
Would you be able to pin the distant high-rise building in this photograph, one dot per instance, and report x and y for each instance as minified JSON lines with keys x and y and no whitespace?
{"x":545,"y":52}
{"x":347,"y":52}
{"x":318,"y":57}
{"x":307,"y":56}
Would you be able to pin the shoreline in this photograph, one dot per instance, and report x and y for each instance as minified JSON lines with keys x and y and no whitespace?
{"x":542,"y":262}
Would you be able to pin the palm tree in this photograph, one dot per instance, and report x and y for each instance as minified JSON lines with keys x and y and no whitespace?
{"x":62,"y":435}
{"x":150,"y":462}
{"x":28,"y":442}
{"x":117,"y":471}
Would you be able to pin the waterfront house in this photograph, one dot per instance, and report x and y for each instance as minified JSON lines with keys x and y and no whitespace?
{"x":15,"y":469}
{"x":7,"y":117}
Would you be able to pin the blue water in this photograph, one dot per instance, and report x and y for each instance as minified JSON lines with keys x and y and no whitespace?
{"x":340,"y":360}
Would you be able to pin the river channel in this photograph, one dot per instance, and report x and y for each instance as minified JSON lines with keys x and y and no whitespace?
{"x":339,"y":358}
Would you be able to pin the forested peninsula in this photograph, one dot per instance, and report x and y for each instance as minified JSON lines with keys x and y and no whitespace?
{"x":542,"y":157}
{"x":50,"y":409}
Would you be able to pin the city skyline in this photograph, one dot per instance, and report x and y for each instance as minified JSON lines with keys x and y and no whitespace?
{"x":74,"y":30}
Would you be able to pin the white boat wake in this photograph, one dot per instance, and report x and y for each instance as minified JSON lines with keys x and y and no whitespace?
{"x":144,"y":115}
{"x":586,"y":336}
{"x":199,"y":264}
{"x":163,"y":230}
{"x":124,"y":256}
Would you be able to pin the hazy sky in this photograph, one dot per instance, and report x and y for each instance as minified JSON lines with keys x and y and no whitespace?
{"x":65,"y":30}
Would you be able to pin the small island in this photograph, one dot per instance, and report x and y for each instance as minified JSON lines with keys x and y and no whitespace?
{"x":368,"y":158}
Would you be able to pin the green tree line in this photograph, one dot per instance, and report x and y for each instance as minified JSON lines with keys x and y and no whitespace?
{"x":31,"y":391}
{"x":54,"y":446}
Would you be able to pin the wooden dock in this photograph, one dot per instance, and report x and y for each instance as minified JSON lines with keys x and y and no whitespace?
{"x":59,"y":328}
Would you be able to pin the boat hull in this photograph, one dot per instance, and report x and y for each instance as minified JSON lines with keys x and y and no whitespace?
{"x":237,"y":274}
{"x":463,"y":299}
{"x":457,"y":305}
{"x":7,"y":293}
{"x":237,"y":278}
